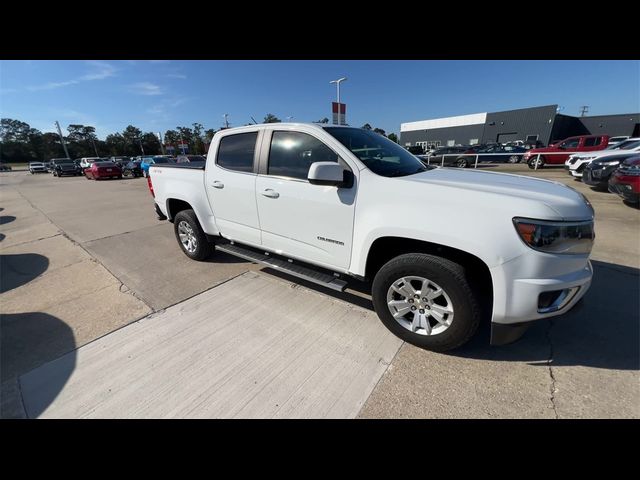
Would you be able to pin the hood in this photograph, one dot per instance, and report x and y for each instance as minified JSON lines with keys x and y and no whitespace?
{"x":566,"y":202}
{"x":603,"y":153}
{"x":67,"y":166}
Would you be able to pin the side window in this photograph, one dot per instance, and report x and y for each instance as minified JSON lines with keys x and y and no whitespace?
{"x":591,"y":142}
{"x":573,"y":143}
{"x":292,"y":153}
{"x":235,"y":152}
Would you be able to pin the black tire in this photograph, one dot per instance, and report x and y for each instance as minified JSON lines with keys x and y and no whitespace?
{"x":532,"y":162}
{"x":204,"y":249}
{"x":514,"y":159}
{"x":451,"y":278}
{"x":462,"y":163}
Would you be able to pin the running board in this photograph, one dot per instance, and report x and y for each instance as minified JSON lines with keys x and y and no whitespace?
{"x":286,"y":266}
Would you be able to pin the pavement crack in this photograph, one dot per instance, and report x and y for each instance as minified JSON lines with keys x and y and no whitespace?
{"x":552,"y":387}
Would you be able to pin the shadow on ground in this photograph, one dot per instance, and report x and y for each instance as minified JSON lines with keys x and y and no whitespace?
{"x":603,"y":333}
{"x":6,"y":219}
{"x":29,"y":340}
{"x":19,"y":269}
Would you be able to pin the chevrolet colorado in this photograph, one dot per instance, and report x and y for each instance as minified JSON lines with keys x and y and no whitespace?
{"x":443,"y":248}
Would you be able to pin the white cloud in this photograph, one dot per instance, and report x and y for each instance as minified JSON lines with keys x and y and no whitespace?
{"x":100,"y":71}
{"x":146,"y":88}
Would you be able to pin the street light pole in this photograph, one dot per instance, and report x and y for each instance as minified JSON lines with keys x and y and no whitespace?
{"x":226,"y":122}
{"x":64,"y":145}
{"x":337,"y":82}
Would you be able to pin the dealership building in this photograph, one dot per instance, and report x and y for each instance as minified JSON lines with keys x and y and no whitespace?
{"x":543,"y":124}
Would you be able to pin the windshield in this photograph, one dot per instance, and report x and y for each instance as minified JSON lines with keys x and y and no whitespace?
{"x":161,"y":160}
{"x":379,"y":154}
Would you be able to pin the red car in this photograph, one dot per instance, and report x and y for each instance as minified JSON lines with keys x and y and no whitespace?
{"x":99,"y":170}
{"x":625,"y":181}
{"x":582,"y":143}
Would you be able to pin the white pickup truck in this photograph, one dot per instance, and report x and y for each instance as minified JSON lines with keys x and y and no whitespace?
{"x":444,"y":248}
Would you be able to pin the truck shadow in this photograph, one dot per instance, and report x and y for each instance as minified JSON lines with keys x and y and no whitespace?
{"x":6,"y":219}
{"x":30,"y":340}
{"x":604,"y":333}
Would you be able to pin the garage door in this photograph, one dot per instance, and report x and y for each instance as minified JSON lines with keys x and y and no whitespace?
{"x":507,"y":137}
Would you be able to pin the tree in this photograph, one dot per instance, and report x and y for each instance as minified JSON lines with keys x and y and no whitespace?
{"x":198,"y":143}
{"x":324,"y":120}
{"x":131,"y":136}
{"x":366,"y":126}
{"x":150,"y":143}
{"x":270,"y":118}
{"x":115,"y":145}
{"x":380,"y":131}
{"x":14,"y":130}
{"x":393,"y":137}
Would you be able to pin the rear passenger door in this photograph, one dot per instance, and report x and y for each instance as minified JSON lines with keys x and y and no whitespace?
{"x":230,"y":182}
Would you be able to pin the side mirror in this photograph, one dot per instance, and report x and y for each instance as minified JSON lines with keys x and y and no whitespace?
{"x":328,"y":173}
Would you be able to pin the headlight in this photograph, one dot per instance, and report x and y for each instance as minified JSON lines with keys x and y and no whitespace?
{"x":556,"y":237}
{"x":611,"y":162}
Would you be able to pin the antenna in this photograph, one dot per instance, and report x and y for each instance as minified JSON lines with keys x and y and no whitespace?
{"x":254,"y":120}
{"x":584,"y":109}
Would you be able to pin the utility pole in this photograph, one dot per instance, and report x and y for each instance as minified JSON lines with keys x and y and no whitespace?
{"x":94,"y":146}
{"x":161,"y":143}
{"x":337,"y":82}
{"x":64,"y":145}
{"x":141,"y":147}
{"x":226,"y":122}
{"x":584,"y":109}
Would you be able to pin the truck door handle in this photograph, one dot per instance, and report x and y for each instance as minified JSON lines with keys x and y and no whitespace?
{"x":270,"y":193}
{"x":217,"y":184}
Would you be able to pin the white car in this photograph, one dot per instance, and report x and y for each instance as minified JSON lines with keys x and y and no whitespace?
{"x":85,"y":162}
{"x":613,"y":141}
{"x":37,"y":167}
{"x":576,"y":163}
{"x":332,"y":203}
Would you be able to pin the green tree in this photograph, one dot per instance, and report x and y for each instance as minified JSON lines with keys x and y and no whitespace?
{"x":366,"y":126}
{"x":132,"y":136}
{"x":198,"y":142}
{"x":323,"y":120}
{"x":380,"y":131}
{"x":115,"y":145}
{"x":150,"y":143}
{"x":14,"y":130}
{"x":393,"y":137}
{"x":271,"y":118}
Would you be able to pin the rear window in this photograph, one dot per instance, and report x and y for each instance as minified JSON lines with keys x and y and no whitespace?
{"x":104,"y":164}
{"x":236,"y":152}
{"x":161,"y":160}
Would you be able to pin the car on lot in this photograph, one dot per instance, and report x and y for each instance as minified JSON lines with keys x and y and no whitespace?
{"x":121,"y":161}
{"x":132,"y":169}
{"x":555,"y":152}
{"x":85,"y":162}
{"x":625,"y":181}
{"x":190,"y":158}
{"x":576,"y":164}
{"x":450,"y":156}
{"x":52,"y":162}
{"x":618,"y":139}
{"x":334,"y":203}
{"x":4,"y":167}
{"x":37,"y":167}
{"x":598,"y":172}
{"x":66,"y":168}
{"x":99,"y":170}
{"x":492,"y":153}
{"x":148,"y":161}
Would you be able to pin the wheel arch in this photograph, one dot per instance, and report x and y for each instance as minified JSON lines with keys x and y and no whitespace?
{"x":384,"y":249}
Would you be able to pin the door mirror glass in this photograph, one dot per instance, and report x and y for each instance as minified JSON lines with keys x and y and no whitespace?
{"x":326,"y":173}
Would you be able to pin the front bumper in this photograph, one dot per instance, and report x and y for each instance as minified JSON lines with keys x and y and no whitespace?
{"x":625,"y":191}
{"x":519,"y":283}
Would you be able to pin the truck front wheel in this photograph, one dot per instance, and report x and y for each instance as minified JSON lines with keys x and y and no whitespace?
{"x":190,"y":236}
{"x":427,"y":301}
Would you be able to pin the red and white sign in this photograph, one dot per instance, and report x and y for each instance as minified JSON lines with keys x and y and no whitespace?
{"x":341,"y":110}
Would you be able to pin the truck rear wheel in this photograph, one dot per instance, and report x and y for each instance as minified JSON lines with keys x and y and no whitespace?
{"x":190,"y":236}
{"x":427,"y":301}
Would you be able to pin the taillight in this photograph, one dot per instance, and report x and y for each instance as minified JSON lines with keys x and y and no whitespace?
{"x":150,"y":186}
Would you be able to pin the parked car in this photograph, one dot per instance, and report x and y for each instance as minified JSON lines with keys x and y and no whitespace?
{"x":37,"y":167}
{"x":625,"y":181}
{"x":132,"y":169}
{"x":492,"y":153}
{"x":66,"y":167}
{"x":121,"y":161}
{"x":4,"y":167}
{"x":582,"y":143}
{"x":52,"y":162}
{"x":450,"y":159}
{"x":331,"y":203}
{"x":598,"y":173}
{"x":575,"y":164}
{"x":148,"y":161}
{"x":103,"y":169}
{"x":85,"y":162}
{"x":618,"y":139}
{"x":190,"y":158}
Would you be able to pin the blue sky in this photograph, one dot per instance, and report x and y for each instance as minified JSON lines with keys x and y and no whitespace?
{"x":158,"y":95}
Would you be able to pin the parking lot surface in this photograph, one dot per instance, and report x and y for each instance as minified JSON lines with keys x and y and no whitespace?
{"x":82,"y":259}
